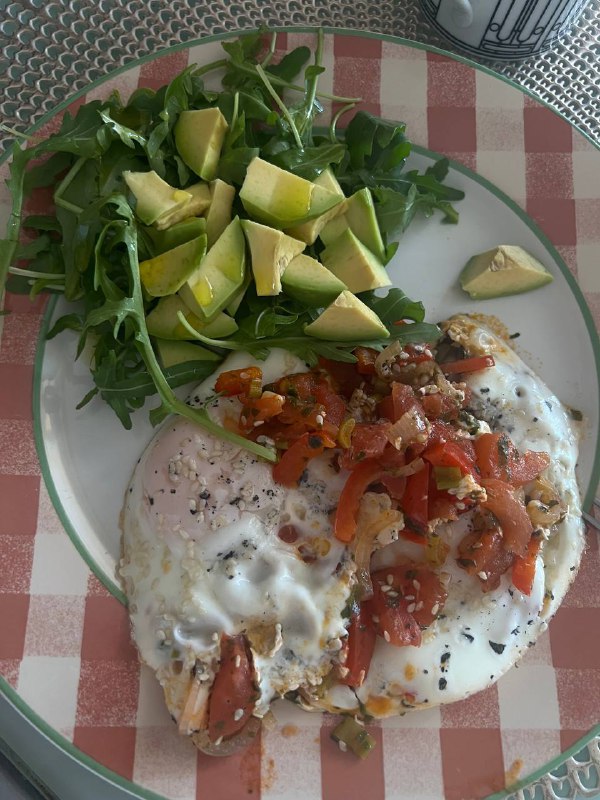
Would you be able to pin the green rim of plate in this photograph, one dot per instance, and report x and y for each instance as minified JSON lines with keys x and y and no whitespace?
{"x":10,"y":694}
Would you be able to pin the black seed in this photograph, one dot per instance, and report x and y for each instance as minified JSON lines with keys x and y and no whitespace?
{"x":497,"y":648}
{"x":442,"y":683}
{"x":468,"y":637}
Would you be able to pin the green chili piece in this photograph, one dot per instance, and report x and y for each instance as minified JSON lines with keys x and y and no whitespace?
{"x":355,"y":736}
{"x":447,"y":477}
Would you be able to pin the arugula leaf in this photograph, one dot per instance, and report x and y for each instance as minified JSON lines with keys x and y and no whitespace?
{"x":291,"y":64}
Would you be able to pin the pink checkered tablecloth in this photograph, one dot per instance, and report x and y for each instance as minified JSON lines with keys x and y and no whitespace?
{"x":64,"y":640}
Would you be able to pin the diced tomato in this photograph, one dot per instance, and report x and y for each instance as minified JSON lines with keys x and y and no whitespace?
{"x":360,"y":647}
{"x":262,"y":408}
{"x":415,"y":354}
{"x":300,"y":385}
{"x":344,"y":376}
{"x":414,"y":502}
{"x":367,"y":441}
{"x":392,"y":459}
{"x":451,"y":454}
{"x":497,"y":457}
{"x":292,"y":463}
{"x":333,"y":405}
{"x":467,"y":365}
{"x":366,"y":357}
{"x":484,"y":555}
{"x":361,"y":477}
{"x":385,"y":408}
{"x":523,"y":571}
{"x":403,"y":399}
{"x":394,"y":486}
{"x":510,"y":513}
{"x":440,"y":406}
{"x":233,"y":689}
{"x":237,"y":381}
{"x":417,"y":597}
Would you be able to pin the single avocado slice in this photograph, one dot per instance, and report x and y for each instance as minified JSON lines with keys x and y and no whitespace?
{"x":197,"y":204}
{"x":271,"y":251}
{"x":220,"y":274}
{"x":507,"y":269}
{"x":180,"y":233}
{"x":218,"y":215}
{"x":164,"y":323}
{"x":347,"y":319}
{"x":153,"y":196}
{"x":354,"y":264}
{"x":360,"y":217}
{"x":165,"y":274}
{"x":309,"y":231}
{"x":308,"y":281}
{"x":172,"y":352}
{"x":281,"y":199}
{"x":199,"y":137}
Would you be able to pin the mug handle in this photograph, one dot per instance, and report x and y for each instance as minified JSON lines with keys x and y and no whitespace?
{"x":462,"y":13}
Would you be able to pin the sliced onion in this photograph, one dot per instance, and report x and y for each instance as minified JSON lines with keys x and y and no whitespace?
{"x":416,"y":465}
{"x":411,"y":428}
{"x":385,"y":359}
{"x":228,"y":747}
{"x":195,"y":711}
{"x":364,"y":544}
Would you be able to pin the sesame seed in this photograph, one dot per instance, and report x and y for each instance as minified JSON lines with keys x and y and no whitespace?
{"x":420,"y":605}
{"x":386,"y":636}
{"x":386,"y":588}
{"x":375,"y":619}
{"x":218,"y":742}
{"x":482,"y":575}
{"x":392,"y":594}
{"x":238,"y":714}
{"x":416,"y":584}
{"x":343,"y":746}
{"x":258,"y":423}
{"x":409,"y":597}
{"x":411,"y":608}
{"x":238,"y":661}
{"x":435,"y":608}
{"x":389,"y":580}
{"x":319,"y":419}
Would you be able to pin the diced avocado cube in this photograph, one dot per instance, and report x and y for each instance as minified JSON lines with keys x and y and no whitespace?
{"x":507,"y":269}
{"x":309,"y":231}
{"x":308,"y":281}
{"x":166,"y":273}
{"x":271,"y":251}
{"x":220,"y":274}
{"x":164,"y":323}
{"x":354,"y":264}
{"x":180,"y":233}
{"x":281,"y":199}
{"x":218,"y":215}
{"x":347,"y":319}
{"x":359,"y":215}
{"x":199,"y":137}
{"x":197,"y":204}
{"x":153,"y":196}
{"x":172,"y":352}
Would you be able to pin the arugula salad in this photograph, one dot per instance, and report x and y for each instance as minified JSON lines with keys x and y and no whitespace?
{"x":103,"y":251}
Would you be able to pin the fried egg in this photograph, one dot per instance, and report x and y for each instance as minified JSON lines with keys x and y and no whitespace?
{"x":480,"y":636}
{"x":202,"y":556}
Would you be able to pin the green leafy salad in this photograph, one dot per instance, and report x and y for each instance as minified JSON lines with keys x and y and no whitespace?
{"x":187,"y":223}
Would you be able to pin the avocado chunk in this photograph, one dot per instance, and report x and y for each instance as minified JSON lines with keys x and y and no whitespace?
{"x":197,"y":204}
{"x":354,"y":264}
{"x":172,"y":353}
{"x":154,"y":197}
{"x":309,"y":231}
{"x":507,"y":269}
{"x":271,"y":251}
{"x":220,"y":274}
{"x":218,"y":215}
{"x":359,"y":215}
{"x":308,"y":281}
{"x":164,"y":323}
{"x":347,"y":319}
{"x":199,"y":137}
{"x":166,"y":273}
{"x":281,"y":199}
{"x":180,"y":233}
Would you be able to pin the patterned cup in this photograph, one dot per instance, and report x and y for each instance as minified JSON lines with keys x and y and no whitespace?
{"x":503,"y":29}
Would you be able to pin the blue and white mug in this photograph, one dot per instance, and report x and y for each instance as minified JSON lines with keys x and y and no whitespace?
{"x":507,"y":29}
